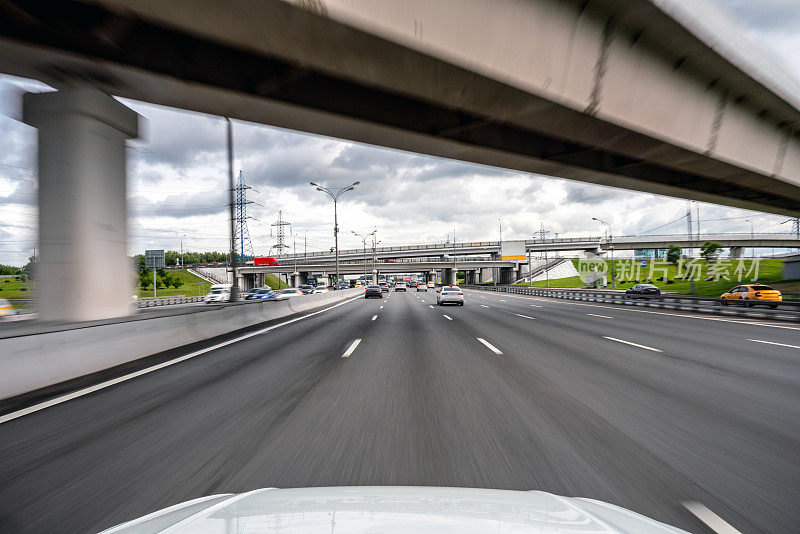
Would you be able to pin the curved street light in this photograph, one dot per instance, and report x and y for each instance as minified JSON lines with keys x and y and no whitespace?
{"x":364,"y":238}
{"x":610,"y":244}
{"x":335,"y":194}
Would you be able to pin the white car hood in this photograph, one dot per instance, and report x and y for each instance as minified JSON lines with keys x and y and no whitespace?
{"x":393,"y":510}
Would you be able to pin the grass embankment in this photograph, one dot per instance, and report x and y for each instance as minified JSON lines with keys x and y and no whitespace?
{"x":770,"y":272}
{"x":190,"y":287}
{"x":14,"y":289}
{"x":274,"y":282}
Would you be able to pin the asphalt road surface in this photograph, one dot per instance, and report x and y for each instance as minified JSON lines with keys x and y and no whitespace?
{"x":576,"y":403}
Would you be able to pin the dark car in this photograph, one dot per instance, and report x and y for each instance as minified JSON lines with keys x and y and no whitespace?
{"x":643,"y":291}
{"x":307,"y":289}
{"x":373,"y":291}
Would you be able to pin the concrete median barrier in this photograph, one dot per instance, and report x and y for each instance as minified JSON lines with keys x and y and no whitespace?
{"x":35,"y":356}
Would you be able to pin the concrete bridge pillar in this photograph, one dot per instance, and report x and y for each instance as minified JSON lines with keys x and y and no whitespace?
{"x":736,"y":252}
{"x":448,"y":277}
{"x":506,"y":276}
{"x":84,"y":270}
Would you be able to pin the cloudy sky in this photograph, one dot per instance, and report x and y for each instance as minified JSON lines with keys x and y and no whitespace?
{"x":177,"y":180}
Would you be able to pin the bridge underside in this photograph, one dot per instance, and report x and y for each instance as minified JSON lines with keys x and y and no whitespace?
{"x":294,"y":68}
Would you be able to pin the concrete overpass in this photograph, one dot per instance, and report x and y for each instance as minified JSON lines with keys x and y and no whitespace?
{"x":476,"y":270}
{"x":636,"y":94}
{"x":594,"y":243}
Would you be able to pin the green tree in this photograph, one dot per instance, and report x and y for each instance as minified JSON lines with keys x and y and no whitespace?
{"x":176,"y":282}
{"x":31,"y":267}
{"x":710,"y":250}
{"x":673,"y":254}
{"x":9,"y":269}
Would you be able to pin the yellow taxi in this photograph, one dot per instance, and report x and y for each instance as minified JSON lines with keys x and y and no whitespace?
{"x":752,"y":294}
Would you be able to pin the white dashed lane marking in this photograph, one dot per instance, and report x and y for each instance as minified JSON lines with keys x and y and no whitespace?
{"x":489,"y":346}
{"x":774,"y":343}
{"x":448,"y":317}
{"x":350,"y":350}
{"x":633,"y":344}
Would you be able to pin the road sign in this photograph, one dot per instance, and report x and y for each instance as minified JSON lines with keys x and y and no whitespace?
{"x":154,"y":259}
{"x":512,"y":250}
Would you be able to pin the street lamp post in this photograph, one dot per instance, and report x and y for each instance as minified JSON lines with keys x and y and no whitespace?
{"x":609,"y":237}
{"x":752,"y":237}
{"x":335,"y":196}
{"x":364,"y":238}
{"x":182,"y":262}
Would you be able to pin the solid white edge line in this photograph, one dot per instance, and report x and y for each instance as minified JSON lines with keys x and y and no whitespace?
{"x":602,"y":316}
{"x":352,"y":347}
{"x":448,"y":317}
{"x":102,"y":385}
{"x":489,"y":345}
{"x":775,"y":343}
{"x":525,"y":316}
{"x":374,"y":317}
{"x":714,"y":522}
{"x":634,"y":344}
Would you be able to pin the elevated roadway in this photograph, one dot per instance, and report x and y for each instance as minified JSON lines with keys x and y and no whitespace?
{"x":594,"y":243}
{"x":635,"y":407}
{"x":650,"y":95}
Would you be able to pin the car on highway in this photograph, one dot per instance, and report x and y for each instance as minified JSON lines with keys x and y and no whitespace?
{"x":450,"y":295}
{"x":374,"y":291}
{"x":291,"y":292}
{"x":431,"y":285}
{"x":218,"y":293}
{"x":412,"y":283}
{"x":384,"y":287}
{"x":261,"y":293}
{"x":6,"y":308}
{"x":307,"y":289}
{"x":400,"y":286}
{"x":643,"y":291}
{"x":320,"y":289}
{"x":752,"y":294}
{"x":422,"y":287}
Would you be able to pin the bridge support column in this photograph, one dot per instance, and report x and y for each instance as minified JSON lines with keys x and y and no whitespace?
{"x":448,"y":277}
{"x":736,"y":252}
{"x":84,"y":272}
{"x":506,"y":275}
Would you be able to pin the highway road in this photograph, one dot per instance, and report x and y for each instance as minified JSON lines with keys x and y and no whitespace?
{"x":642,"y":408}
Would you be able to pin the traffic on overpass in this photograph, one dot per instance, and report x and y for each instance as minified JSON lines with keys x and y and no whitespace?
{"x":347,"y":266}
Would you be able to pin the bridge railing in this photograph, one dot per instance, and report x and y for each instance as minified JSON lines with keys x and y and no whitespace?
{"x":787,"y":310}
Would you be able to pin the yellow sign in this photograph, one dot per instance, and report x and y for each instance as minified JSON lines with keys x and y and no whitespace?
{"x":513,"y":258}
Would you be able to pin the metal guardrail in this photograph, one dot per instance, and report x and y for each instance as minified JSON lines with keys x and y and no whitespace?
{"x":788,"y":311}
{"x":166,"y":301}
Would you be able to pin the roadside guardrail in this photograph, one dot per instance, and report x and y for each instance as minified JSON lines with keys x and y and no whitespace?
{"x":787,"y":311}
{"x":166,"y":301}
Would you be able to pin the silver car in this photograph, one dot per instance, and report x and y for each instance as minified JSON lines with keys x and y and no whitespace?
{"x":450,"y":295}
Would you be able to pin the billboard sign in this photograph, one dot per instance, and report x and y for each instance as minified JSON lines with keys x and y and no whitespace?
{"x":154,"y":259}
{"x":512,"y":250}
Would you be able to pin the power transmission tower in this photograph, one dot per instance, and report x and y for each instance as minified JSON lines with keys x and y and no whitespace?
{"x":280,"y":223}
{"x":245,"y":245}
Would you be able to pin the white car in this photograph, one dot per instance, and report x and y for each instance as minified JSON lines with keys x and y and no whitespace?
{"x":422,"y":287}
{"x":431,"y":285}
{"x":219,"y":293}
{"x":320,"y":289}
{"x":400,"y":286}
{"x":395,"y":509}
{"x":450,"y":295}
{"x":291,"y":292}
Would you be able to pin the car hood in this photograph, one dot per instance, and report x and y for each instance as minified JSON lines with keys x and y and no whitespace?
{"x":394,"y":509}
